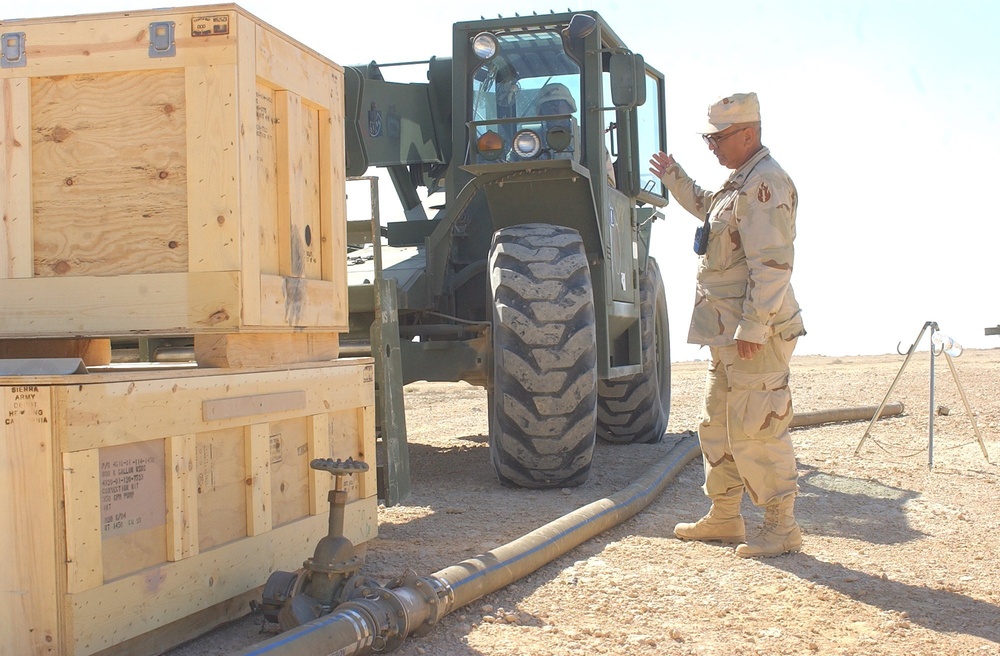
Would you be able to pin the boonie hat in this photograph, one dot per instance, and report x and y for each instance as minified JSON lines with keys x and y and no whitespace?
{"x":555,"y":91}
{"x":737,"y":108}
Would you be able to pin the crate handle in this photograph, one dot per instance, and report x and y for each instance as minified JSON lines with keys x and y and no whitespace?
{"x":13,"y":50}
{"x":161,"y":39}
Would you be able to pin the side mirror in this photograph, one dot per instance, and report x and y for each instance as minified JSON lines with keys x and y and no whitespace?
{"x":628,"y":79}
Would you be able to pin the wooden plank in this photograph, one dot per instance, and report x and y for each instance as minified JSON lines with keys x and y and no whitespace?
{"x":300,"y":302}
{"x":169,"y":303}
{"x":252,"y":195}
{"x":15,"y":178}
{"x":109,"y":174}
{"x":299,"y":228}
{"x":360,"y":523}
{"x":213,"y":219}
{"x":318,"y":436}
{"x":92,"y":352}
{"x":333,"y":196}
{"x":289,"y":470}
{"x":267,"y":190}
{"x":122,"y":609}
{"x":112,"y":43}
{"x":243,"y":350}
{"x":368,"y":481}
{"x":222,"y":482}
{"x":298,"y":73}
{"x":82,"y":488}
{"x":150,"y":372}
{"x":258,"y":490}
{"x":344,"y":428}
{"x":285,"y":185}
{"x":105,"y":414}
{"x":29,"y":602}
{"x":182,"y":497}
{"x":309,"y":225}
{"x":285,"y":65}
{"x":154,"y":642}
{"x":258,"y":404}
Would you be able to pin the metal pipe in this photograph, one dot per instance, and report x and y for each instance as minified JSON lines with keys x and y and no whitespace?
{"x":968,"y":408}
{"x":930,"y":422}
{"x":440,"y":330}
{"x":856,"y":413}
{"x":174,"y":354}
{"x":355,"y":349}
{"x":482,"y":575}
{"x":382,"y":621}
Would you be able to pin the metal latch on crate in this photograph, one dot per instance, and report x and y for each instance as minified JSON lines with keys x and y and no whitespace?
{"x":161,"y":39}
{"x":13,"y":54}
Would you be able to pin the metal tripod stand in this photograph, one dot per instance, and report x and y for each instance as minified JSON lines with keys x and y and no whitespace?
{"x":930,"y":429}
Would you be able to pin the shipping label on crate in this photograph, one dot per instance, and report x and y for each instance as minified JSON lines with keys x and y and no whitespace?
{"x":23,"y":406}
{"x":210,"y":25}
{"x":133,"y":488}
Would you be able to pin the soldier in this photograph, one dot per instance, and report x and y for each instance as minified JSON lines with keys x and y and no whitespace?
{"x":746,"y":312}
{"x":555,"y":98}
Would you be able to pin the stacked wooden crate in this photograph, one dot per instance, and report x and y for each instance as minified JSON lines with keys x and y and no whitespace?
{"x":169,"y":172}
{"x":195,"y":190}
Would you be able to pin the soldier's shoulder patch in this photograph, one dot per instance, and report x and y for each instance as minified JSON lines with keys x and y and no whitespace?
{"x":764,"y":192}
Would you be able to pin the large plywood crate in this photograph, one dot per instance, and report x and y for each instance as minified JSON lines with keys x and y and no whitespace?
{"x":177,"y":171}
{"x":141,"y":509}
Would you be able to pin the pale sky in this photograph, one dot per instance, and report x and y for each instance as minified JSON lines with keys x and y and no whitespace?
{"x":886,"y":114}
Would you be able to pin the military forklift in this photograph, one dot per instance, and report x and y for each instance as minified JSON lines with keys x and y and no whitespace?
{"x":533,"y":277}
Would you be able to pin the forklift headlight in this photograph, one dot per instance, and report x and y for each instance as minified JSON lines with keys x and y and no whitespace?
{"x":485,"y":45}
{"x":527,"y":143}
{"x":490,"y":145}
{"x":559,"y":137}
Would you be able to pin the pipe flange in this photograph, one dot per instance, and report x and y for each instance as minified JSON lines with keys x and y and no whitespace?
{"x":279,"y":588}
{"x":345,"y":568}
{"x":433,"y":591}
{"x":389,"y":617}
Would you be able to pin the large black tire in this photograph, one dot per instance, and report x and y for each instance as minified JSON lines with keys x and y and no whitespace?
{"x":543,"y":403}
{"x":635,"y":409}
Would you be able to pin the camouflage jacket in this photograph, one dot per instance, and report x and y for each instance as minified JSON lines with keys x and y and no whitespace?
{"x":744,"y":286}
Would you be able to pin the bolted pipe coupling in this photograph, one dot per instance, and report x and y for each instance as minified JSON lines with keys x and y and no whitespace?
{"x":385,"y":619}
{"x":410,"y":605}
{"x":432,"y":595}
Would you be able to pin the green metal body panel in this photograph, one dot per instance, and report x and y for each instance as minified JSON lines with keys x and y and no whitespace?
{"x":427,"y":135}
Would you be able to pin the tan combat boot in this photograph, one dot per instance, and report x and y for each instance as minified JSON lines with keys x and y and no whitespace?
{"x":723,"y":523}
{"x":780,"y":534}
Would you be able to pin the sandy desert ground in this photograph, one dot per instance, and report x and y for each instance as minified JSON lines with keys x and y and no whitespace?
{"x":899,"y":559}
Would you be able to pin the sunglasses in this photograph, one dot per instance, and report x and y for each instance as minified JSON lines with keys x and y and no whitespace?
{"x":715,"y":139}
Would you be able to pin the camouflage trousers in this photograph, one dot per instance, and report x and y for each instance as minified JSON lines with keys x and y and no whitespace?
{"x":744,"y":431}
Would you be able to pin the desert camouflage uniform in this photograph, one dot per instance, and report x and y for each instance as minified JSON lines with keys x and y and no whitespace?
{"x":744,"y":292}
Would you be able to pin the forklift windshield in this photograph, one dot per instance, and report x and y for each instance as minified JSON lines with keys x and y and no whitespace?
{"x":511,"y":84}
{"x":530,"y":77}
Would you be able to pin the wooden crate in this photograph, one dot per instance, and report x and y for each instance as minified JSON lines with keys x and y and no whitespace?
{"x":141,"y":509}
{"x":189,"y":186}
